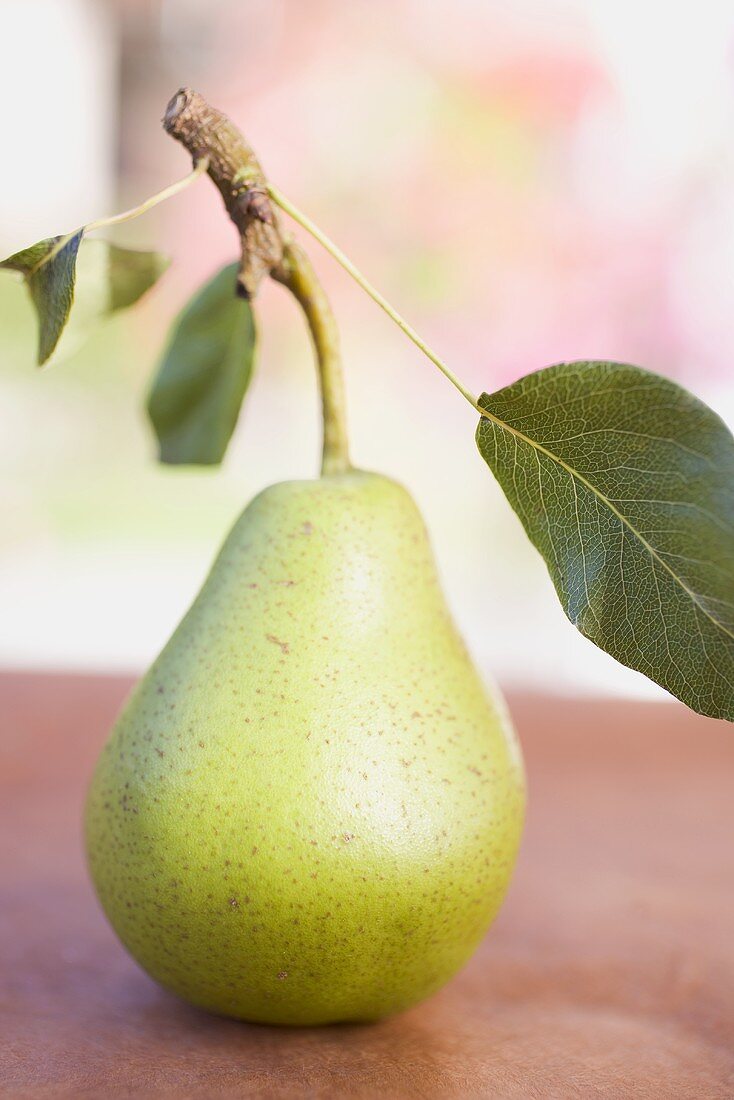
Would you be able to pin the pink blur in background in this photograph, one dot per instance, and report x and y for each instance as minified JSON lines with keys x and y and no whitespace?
{"x":527,"y":183}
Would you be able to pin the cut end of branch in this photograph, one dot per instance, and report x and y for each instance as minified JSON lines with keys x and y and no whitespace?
{"x":206,"y":132}
{"x":175,"y":106}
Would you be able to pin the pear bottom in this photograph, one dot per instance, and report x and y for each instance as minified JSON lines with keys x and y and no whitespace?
{"x":310,"y":807}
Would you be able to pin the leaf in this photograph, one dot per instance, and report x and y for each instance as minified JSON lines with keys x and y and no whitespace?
{"x":29,"y":258}
{"x":114,"y":278}
{"x":99,"y":278}
{"x":109,"y":279}
{"x":204,"y":373}
{"x":130,"y":272}
{"x":49,"y":268}
{"x":625,"y":483}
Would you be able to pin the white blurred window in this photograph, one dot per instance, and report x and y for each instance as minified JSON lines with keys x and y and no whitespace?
{"x":58,"y":66}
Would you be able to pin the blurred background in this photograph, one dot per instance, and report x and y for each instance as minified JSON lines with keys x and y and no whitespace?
{"x":527,"y":181}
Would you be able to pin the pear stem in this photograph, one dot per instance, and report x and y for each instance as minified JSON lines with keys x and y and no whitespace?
{"x":298,"y":275}
{"x":265,"y":249}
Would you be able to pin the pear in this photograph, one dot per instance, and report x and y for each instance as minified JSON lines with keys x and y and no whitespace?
{"x":310,"y":807}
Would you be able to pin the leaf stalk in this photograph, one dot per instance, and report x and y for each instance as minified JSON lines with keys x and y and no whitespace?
{"x":305,"y":222}
{"x":160,"y":196}
{"x":126,"y":215}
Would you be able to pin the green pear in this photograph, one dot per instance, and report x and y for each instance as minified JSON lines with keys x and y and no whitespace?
{"x":310,"y":807}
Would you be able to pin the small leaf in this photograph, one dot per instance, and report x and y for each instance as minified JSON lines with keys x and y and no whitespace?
{"x":130,"y":273}
{"x":29,"y":258}
{"x":49,"y":268}
{"x":99,"y":278}
{"x":197,"y":393}
{"x":109,"y":279}
{"x":625,"y":483}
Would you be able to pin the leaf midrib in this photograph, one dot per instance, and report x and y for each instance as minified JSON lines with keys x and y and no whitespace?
{"x":615,"y":511}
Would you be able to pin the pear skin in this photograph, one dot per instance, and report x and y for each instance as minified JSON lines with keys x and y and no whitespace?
{"x":310,"y":807}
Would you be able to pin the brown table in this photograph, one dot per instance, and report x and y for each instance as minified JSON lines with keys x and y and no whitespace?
{"x":609,"y":973}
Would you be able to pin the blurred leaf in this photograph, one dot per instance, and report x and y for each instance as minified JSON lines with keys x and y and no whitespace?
{"x":625,"y":484}
{"x":109,"y":279}
{"x":129,"y":272}
{"x":197,"y":393}
{"x":99,"y":278}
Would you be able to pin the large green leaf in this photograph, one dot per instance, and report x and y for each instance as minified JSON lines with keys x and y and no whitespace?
{"x":625,"y":483}
{"x":98,"y":278}
{"x":198,"y":389}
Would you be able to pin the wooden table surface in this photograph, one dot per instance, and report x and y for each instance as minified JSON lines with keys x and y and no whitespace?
{"x":609,"y":973}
